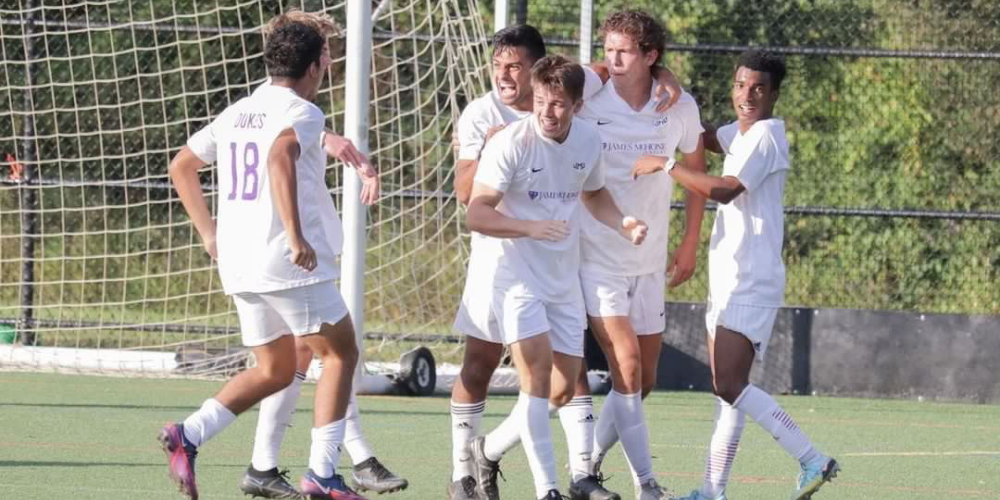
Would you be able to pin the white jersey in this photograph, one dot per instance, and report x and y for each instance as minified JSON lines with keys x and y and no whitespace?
{"x":252,"y":244}
{"x":744,"y":257}
{"x":628,"y":135}
{"x":542,"y":180}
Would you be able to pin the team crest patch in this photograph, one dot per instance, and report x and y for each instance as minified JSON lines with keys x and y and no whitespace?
{"x":579,"y":166}
{"x":661,"y":122}
{"x":533,"y":195}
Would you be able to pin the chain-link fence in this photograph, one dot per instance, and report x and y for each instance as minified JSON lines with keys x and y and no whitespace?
{"x":893,"y":200}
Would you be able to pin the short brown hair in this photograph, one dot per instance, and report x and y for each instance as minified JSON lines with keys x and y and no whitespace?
{"x":559,"y":72}
{"x":319,"y":21}
{"x":646,"y":31}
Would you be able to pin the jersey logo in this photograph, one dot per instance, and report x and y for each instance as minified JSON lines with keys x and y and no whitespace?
{"x":533,"y":194}
{"x":661,"y":122}
{"x":603,"y":122}
{"x":536,"y":170}
{"x":579,"y":165}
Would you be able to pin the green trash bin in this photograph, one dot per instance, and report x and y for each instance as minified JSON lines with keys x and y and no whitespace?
{"x":7,"y":334}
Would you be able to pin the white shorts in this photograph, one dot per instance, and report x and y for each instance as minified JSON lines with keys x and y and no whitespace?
{"x":475,"y":314}
{"x":522,"y":316}
{"x":753,"y":322}
{"x":638,"y":297}
{"x":297,"y":311}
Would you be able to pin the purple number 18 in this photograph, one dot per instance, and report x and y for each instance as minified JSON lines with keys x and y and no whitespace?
{"x":251,"y":157}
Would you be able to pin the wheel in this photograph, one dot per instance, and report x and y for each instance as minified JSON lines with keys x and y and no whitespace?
{"x":417,"y":373}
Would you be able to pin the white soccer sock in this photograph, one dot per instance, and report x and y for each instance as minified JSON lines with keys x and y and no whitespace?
{"x":605,"y":434}
{"x":273,"y":418}
{"x":325,"y":450}
{"x":536,"y":436}
{"x":354,"y":441}
{"x":507,"y":434}
{"x":630,"y":421}
{"x":729,"y":424}
{"x":208,"y":421}
{"x":465,"y":420}
{"x":577,"y":419}
{"x":761,"y":407}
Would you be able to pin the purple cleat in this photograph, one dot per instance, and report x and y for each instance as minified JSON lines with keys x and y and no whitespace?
{"x":314,"y":487}
{"x":181,"y":455}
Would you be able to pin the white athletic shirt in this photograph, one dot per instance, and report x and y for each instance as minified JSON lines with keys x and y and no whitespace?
{"x":251,"y":240}
{"x":744,"y":257}
{"x":627,"y":135}
{"x":542,"y":180}
{"x":478,"y":117}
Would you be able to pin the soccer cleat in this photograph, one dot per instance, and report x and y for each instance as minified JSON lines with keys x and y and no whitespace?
{"x":463,"y":489}
{"x":591,"y":488}
{"x":486,"y":471}
{"x":697,"y":495}
{"x":813,"y":476}
{"x":371,"y":475}
{"x":314,"y":487}
{"x":267,"y":484}
{"x":651,"y":490}
{"x":181,"y":455}
{"x":554,"y":495}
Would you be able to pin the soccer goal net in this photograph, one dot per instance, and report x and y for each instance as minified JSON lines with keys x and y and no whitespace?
{"x":100,"y":268}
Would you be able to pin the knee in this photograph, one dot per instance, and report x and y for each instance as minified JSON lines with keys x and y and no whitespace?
{"x":647,"y":387}
{"x":277,"y":376}
{"x":561,"y":397}
{"x":478,"y":366}
{"x":728,"y":389}
{"x":630,"y":371}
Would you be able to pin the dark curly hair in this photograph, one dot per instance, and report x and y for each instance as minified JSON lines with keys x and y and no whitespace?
{"x":291,"y":49}
{"x":765,"y":62}
{"x":645,"y":30}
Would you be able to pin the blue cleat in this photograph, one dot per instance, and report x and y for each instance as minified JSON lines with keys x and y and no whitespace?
{"x":181,"y":455}
{"x":697,"y":495}
{"x":813,"y":477}
{"x":314,"y":487}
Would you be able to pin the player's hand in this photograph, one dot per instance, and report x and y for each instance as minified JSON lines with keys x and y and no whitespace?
{"x":649,"y":164}
{"x":634,"y":229}
{"x":371,"y":186}
{"x":341,"y":148}
{"x":682,"y":263}
{"x":210,"y":247}
{"x":548,"y":230}
{"x":667,"y":91}
{"x":303,"y":254}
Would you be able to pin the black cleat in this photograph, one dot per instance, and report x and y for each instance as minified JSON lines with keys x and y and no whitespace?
{"x":463,"y":489}
{"x":486,"y":471}
{"x":371,"y":475}
{"x":554,"y":495}
{"x":267,"y":484}
{"x":591,"y":488}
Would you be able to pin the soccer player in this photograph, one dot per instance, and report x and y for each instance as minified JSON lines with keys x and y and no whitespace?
{"x":528,"y":189}
{"x":746,"y":273}
{"x":515,"y":50}
{"x":276,"y":241}
{"x":623,"y":285}
{"x":262,"y":478}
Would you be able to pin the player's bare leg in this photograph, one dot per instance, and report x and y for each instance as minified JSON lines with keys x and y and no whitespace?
{"x":468,"y":403}
{"x":623,"y":406}
{"x":732,"y":358}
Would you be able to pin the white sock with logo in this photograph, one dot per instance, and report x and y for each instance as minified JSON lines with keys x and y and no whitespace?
{"x":536,"y":436}
{"x":465,"y":421}
{"x":577,"y":419}
{"x":630,"y":421}
{"x":325,"y":450}
{"x":208,"y":421}
{"x":273,"y":419}
{"x":761,"y":407}
{"x":729,"y":424}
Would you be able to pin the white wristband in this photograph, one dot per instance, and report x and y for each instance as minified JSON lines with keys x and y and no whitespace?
{"x":671,"y":163}
{"x":322,"y":139}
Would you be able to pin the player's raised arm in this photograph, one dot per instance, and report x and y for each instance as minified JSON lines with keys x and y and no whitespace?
{"x":341,"y":148}
{"x":183,"y":171}
{"x":284,"y":195}
{"x":483,"y":217}
{"x":603,"y":207}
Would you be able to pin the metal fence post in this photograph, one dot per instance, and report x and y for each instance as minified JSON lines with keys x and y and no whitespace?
{"x":586,"y":30}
